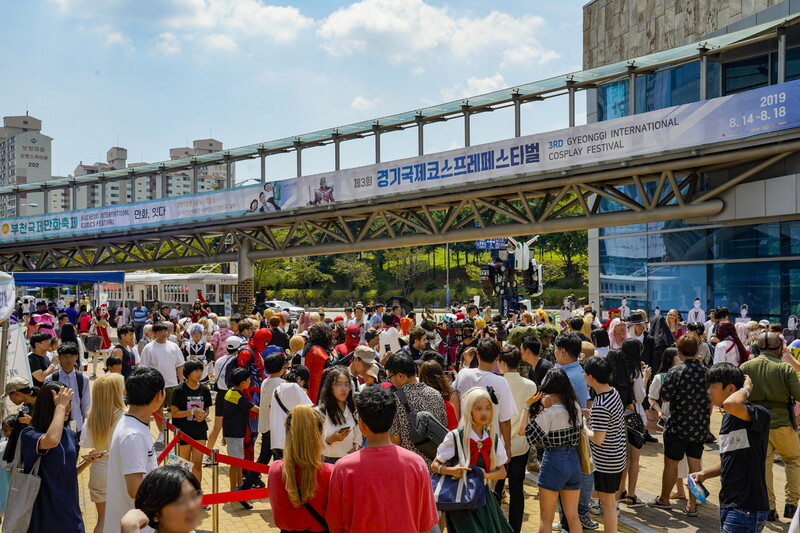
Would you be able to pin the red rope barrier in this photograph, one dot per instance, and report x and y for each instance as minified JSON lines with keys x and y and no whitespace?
{"x":169,"y":447}
{"x":235,"y":496}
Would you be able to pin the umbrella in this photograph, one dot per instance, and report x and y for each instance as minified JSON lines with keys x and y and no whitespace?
{"x":402,"y":301}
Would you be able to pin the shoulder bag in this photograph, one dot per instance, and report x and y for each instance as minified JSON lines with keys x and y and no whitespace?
{"x":459,"y":493}
{"x":22,"y":492}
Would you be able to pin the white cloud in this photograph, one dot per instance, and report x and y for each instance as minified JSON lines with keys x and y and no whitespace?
{"x":527,"y":55}
{"x":418,"y":71}
{"x":231,"y":21}
{"x":475,"y":86}
{"x":405,"y":30}
{"x":364,"y":104}
{"x":168,"y":44}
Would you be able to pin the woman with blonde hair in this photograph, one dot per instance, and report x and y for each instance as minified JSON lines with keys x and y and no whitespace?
{"x":107,"y":408}
{"x":298,"y":483}
{"x":478,"y":437}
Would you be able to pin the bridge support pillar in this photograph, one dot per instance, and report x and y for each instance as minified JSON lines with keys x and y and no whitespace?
{"x":246,"y":286}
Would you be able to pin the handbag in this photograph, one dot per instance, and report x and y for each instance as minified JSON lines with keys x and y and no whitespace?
{"x":634,"y":428}
{"x":583,"y":454}
{"x":652,"y":421}
{"x":459,"y":493}
{"x":22,"y":492}
{"x":425,"y":431}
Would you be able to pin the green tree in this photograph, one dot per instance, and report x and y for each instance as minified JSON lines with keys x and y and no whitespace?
{"x":357,"y":273}
{"x":271,"y":273}
{"x":569,"y":246}
{"x":473,"y":272}
{"x":406,"y":265}
{"x":304,"y":273}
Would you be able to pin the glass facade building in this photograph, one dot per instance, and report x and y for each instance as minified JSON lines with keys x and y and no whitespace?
{"x":669,"y":264}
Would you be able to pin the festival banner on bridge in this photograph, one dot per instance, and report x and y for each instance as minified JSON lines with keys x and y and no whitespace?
{"x":690,"y":125}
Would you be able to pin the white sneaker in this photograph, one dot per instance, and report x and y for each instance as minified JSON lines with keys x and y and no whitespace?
{"x":595,"y":508}
{"x":556,"y":526}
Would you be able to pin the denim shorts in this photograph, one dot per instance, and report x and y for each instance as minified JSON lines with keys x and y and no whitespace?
{"x":560,"y":469}
{"x":740,"y":521}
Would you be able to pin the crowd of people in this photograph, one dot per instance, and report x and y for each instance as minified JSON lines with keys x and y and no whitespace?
{"x":469,"y":399}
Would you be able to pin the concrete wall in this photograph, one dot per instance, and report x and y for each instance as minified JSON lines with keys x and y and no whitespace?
{"x":617,"y":30}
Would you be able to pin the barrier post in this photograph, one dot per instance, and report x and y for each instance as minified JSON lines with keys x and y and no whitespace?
{"x":215,"y":490}
{"x":165,"y":426}
{"x":178,"y":444}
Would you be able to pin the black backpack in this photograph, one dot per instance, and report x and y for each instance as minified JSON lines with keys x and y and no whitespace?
{"x":425,"y":431}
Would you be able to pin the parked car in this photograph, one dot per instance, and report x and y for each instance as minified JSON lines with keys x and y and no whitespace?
{"x":280,"y":305}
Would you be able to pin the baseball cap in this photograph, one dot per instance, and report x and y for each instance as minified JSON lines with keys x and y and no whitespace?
{"x":15,"y":385}
{"x":233,"y":343}
{"x":764,"y":323}
{"x":365,"y":353}
{"x":303,"y":373}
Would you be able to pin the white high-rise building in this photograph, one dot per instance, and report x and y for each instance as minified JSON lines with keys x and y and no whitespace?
{"x":150,"y":187}
{"x":25,"y":157}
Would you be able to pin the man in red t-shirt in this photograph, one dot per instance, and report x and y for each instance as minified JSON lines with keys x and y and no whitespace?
{"x":359,"y":499}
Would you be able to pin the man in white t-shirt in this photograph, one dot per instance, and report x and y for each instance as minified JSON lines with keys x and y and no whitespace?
{"x":166,"y":357}
{"x":131,"y":451}
{"x":390,"y":337}
{"x":468,"y":378}
{"x":286,"y":396}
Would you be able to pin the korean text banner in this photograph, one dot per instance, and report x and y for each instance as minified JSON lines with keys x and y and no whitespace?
{"x":691,"y":125}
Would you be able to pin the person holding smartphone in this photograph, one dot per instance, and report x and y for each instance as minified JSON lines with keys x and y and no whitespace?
{"x":743,"y":436}
{"x":339,"y":431}
{"x":389,"y":337}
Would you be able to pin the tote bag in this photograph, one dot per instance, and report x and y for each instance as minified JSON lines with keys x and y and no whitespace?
{"x":22,"y":492}
{"x":459,"y":493}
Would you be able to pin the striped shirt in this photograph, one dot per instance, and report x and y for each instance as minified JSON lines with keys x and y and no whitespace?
{"x":606,"y":415}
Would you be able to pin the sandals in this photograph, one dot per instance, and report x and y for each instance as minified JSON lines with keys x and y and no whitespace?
{"x":633,"y":501}
{"x":653,"y":502}
{"x":689,"y":513}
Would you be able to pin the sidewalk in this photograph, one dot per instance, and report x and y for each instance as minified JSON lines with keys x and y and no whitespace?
{"x":641,"y":519}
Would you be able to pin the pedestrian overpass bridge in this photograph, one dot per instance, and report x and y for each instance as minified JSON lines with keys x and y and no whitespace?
{"x":673,"y":163}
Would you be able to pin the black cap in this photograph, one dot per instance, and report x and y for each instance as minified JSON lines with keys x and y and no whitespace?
{"x":369,"y":335}
{"x":303,"y":373}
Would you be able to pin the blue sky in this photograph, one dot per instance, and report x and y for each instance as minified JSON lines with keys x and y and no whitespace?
{"x":154,"y":74}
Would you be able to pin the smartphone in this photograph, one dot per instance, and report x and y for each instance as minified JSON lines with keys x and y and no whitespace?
{"x":97,"y":454}
{"x":387,"y":347}
{"x":662,"y":422}
{"x":344,"y":429}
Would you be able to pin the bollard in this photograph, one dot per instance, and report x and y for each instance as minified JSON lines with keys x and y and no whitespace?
{"x":165,"y":426}
{"x":214,"y":490}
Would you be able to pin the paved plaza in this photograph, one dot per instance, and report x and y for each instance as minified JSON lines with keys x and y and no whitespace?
{"x":643,"y":519}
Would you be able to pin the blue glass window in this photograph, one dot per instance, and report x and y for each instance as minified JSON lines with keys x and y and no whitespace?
{"x":744,"y":242}
{"x":746,"y":74}
{"x":676,"y":286}
{"x":667,"y":88}
{"x":756,"y":284}
{"x":612,"y":100}
{"x":624,"y":256}
{"x":792,"y":65}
